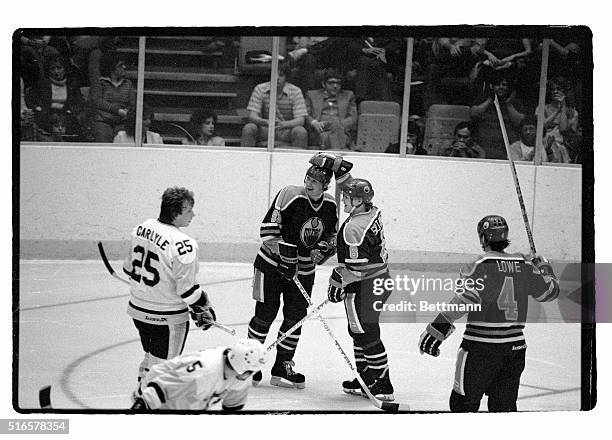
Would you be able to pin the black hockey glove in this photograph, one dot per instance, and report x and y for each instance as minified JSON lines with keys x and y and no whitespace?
{"x":326,"y":160}
{"x":339,"y":166}
{"x":324,"y":252}
{"x":203,"y":317}
{"x":335,"y":292}
{"x":436,"y":332}
{"x":287,"y":266}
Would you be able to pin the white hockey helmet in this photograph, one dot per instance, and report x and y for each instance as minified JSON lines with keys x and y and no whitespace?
{"x":247,"y":355}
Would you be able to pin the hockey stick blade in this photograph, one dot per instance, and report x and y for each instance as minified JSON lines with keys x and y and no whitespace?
{"x":108,"y":266}
{"x":386,"y":406}
{"x":44,"y":397}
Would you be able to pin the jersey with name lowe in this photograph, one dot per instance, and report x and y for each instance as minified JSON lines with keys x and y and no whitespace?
{"x":508,"y":280}
{"x":162,"y":266}
{"x":295,"y":219}
{"x":362,"y":247}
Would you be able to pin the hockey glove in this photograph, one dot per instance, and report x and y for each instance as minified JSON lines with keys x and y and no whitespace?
{"x":287,"y":266}
{"x":543,"y":265}
{"x":335,"y":292}
{"x":436,"y":332}
{"x":339,"y":166}
{"x":324,"y":252}
{"x":326,"y":160}
{"x":203,"y":317}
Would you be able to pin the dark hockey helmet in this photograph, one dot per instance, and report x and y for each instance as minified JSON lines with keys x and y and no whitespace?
{"x":319,"y":174}
{"x":493,"y":228}
{"x":359,"y":188}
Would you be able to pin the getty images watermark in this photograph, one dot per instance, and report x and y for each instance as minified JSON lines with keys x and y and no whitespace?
{"x":405,"y":284}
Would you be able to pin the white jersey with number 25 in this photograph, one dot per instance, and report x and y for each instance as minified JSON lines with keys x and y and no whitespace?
{"x":162,"y":266}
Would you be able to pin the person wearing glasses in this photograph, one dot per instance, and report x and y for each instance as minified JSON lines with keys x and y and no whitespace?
{"x":332,"y":114}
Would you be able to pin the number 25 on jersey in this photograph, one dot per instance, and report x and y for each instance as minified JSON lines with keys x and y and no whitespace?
{"x":149,"y":275}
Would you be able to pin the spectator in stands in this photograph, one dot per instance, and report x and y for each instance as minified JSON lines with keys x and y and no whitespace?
{"x":448,"y":74}
{"x":28,"y":128}
{"x":111,"y":96}
{"x":54,"y":129}
{"x":203,"y":124}
{"x":560,"y":117}
{"x":463,"y":145}
{"x":34,"y":49}
{"x":290,"y":114}
{"x":414,"y":139}
{"x":57,"y":93}
{"x":505,"y":53}
{"x":524,"y":149}
{"x":363,"y":62}
{"x":484,"y":115}
{"x":127,"y":136}
{"x":332,"y":114}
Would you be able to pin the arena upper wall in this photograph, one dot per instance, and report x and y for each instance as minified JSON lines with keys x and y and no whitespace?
{"x":73,"y":196}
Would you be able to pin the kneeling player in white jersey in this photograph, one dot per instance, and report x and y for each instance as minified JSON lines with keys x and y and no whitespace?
{"x":196,"y":381}
{"x":162,"y":266}
{"x":491,"y":358}
{"x":362,"y":259}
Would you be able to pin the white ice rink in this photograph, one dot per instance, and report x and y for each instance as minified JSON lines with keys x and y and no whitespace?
{"x":75,"y":335}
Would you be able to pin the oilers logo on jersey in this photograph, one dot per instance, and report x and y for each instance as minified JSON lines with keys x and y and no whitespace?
{"x":311,"y":231}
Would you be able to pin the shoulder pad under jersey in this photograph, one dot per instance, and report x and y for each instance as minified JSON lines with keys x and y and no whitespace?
{"x":357,"y":227}
{"x":287,"y":195}
{"x":329,"y":198}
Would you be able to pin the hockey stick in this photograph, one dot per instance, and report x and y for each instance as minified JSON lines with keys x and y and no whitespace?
{"x":110,"y":269}
{"x":514,"y":176}
{"x":386,"y":406}
{"x":44,"y":397}
{"x":297,"y":325}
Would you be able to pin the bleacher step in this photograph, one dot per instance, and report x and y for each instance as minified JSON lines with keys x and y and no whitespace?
{"x":192,"y":94}
{"x":185,"y":76}
{"x":186,"y":116}
{"x":173,"y":52}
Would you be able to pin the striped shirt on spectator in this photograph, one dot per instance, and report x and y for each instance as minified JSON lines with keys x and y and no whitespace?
{"x":289,"y":104}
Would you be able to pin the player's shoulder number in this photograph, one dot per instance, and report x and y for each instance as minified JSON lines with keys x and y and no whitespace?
{"x":184,"y":247}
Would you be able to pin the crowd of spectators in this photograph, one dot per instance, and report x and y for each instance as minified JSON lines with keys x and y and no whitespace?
{"x":75,"y":88}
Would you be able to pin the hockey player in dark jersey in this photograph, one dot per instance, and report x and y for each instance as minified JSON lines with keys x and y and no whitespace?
{"x":303,"y":216}
{"x":492,"y":354}
{"x":362,"y":259}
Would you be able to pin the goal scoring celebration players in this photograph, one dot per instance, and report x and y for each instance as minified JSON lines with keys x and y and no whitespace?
{"x":197,"y":381}
{"x":362,"y":259}
{"x":491,"y":358}
{"x":162,"y":266}
{"x":304,"y":217}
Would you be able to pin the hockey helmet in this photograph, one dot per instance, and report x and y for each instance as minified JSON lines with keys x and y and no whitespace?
{"x":322,"y":175}
{"x":359,"y":188}
{"x":247,"y":355}
{"x":493,"y":228}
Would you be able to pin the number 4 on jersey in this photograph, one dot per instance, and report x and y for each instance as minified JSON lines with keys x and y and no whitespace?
{"x":506,"y":300}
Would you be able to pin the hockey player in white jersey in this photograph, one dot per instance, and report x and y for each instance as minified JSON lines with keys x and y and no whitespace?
{"x":162,"y":266}
{"x":197,"y":381}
